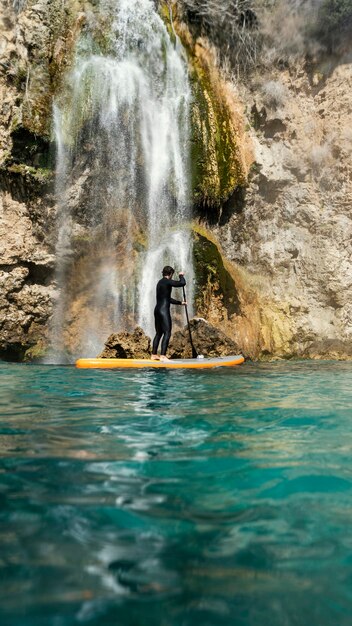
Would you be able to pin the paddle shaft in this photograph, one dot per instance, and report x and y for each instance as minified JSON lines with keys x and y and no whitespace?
{"x":194,"y":351}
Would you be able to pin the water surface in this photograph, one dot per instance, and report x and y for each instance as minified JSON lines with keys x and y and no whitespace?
{"x":176,"y":497}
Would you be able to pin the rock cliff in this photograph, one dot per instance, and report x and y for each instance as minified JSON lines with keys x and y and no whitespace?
{"x":36,"y":40}
{"x":272,"y":181}
{"x":292,"y":233}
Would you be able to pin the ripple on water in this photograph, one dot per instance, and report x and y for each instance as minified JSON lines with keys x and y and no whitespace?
{"x":202,"y":497}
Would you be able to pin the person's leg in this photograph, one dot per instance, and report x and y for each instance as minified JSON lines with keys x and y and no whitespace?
{"x":158,"y":335}
{"x":167,"y":325}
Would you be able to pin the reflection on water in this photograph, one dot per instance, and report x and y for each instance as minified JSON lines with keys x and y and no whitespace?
{"x":161,"y":497}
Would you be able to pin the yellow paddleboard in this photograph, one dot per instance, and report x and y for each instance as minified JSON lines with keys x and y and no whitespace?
{"x":224,"y":361}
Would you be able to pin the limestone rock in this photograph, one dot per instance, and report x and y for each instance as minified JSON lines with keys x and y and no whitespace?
{"x":291,"y":238}
{"x":126,"y":345}
{"x":329,"y":349}
{"x":207,"y":339}
{"x":26,"y":274}
{"x":27,"y":216}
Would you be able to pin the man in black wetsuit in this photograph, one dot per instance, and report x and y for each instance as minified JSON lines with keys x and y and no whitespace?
{"x":162,"y":315}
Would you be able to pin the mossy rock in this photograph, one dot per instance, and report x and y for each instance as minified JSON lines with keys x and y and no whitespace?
{"x":216,"y":162}
{"x":36,"y":352}
{"x":212,"y":275}
{"x":217,"y":168}
{"x":31,"y":150}
{"x":41,"y":175}
{"x":24,"y":182}
{"x":49,"y":58}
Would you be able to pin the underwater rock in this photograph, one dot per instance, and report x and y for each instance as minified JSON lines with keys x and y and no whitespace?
{"x":329,"y":349}
{"x":124,"y":345}
{"x":207,"y":339}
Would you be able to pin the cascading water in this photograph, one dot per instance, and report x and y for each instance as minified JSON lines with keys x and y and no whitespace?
{"x":122,"y":132}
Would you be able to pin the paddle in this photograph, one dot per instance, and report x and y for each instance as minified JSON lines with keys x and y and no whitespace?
{"x":194,"y":351}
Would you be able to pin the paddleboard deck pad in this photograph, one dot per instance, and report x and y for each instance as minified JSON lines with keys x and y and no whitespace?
{"x":224,"y":361}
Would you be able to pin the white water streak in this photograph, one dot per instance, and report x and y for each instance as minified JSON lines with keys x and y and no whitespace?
{"x":124,"y":126}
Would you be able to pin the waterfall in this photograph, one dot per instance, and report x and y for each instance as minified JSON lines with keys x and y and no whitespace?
{"x":122,"y":134}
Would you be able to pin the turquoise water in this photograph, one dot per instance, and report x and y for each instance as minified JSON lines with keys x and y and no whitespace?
{"x":176,"y":498}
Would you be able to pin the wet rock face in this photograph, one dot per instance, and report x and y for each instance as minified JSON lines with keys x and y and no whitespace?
{"x":126,"y":345}
{"x":26,"y":275}
{"x":27,"y":267}
{"x":36,"y":41}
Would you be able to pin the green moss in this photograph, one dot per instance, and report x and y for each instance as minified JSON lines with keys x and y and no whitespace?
{"x":216,"y":162}
{"x":40,"y":175}
{"x":255,"y":168}
{"x":168,"y":11}
{"x":43,"y":175}
{"x":20,"y":73}
{"x":36,"y":352}
{"x":211,"y":273}
{"x":81,"y":244}
{"x":42,"y":78}
{"x":140,"y":241}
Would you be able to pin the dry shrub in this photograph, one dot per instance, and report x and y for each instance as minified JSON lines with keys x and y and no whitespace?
{"x":320,"y":157}
{"x":275,"y":94}
{"x":19,"y":5}
{"x":252,"y":33}
{"x":231,"y":25}
{"x":346,"y":136}
{"x":333,"y":24}
{"x":324,"y":166}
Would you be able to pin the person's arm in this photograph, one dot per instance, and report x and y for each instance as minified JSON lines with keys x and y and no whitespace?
{"x":177,"y":283}
{"x":172,"y":301}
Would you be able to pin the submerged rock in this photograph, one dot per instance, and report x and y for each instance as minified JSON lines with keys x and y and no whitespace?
{"x":136,"y":345}
{"x":329,"y":349}
{"x":207,"y":339}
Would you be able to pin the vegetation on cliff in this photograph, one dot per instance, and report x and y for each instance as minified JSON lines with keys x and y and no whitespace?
{"x":219,"y":160}
{"x":215,"y":287}
{"x":251,"y":33}
{"x":218,"y":166}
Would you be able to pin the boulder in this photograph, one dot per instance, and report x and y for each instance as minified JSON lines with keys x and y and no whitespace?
{"x":124,"y":345}
{"x":329,"y":349}
{"x":207,"y":339}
